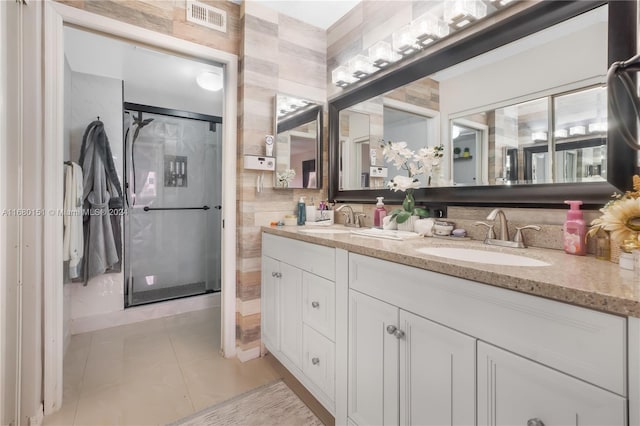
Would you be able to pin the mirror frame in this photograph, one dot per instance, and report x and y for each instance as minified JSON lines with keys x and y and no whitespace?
{"x":621,"y":160}
{"x":295,"y":121}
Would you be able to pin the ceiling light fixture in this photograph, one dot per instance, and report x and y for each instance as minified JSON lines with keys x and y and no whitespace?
{"x":209,"y":80}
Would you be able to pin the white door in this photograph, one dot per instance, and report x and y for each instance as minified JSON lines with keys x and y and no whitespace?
{"x":291,"y":313}
{"x":516,"y":391}
{"x":373,"y":362}
{"x":437,"y":374}
{"x":270,"y":306}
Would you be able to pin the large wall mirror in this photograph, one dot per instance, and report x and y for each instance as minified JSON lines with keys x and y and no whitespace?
{"x":520,"y":108}
{"x":298,"y":143}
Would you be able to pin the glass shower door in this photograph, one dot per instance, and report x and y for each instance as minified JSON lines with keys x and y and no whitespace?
{"x":173,"y":223}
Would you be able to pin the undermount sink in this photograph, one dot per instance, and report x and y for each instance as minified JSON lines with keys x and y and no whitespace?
{"x":482,"y":256}
{"x":324,"y":230}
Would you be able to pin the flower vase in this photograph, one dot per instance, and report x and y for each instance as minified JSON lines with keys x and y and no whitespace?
{"x":409,"y":224}
{"x":436,"y":175}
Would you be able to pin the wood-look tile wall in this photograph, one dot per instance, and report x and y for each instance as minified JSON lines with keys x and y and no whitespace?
{"x":278,"y":54}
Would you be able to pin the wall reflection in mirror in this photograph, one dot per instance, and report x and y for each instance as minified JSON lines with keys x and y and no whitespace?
{"x":297,"y":142}
{"x":408,"y":114}
{"x":531,"y":112}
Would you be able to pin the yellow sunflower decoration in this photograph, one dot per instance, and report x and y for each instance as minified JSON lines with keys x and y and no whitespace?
{"x":621,"y":217}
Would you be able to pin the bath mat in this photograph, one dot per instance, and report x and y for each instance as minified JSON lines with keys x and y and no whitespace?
{"x":271,"y":404}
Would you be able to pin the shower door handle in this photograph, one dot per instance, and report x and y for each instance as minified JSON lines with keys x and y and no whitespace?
{"x":147,"y":208}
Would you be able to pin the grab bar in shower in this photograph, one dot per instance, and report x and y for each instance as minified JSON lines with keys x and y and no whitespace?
{"x":147,"y":208}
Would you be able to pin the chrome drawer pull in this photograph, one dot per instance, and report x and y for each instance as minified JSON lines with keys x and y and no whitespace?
{"x":535,"y":422}
{"x":316,"y":361}
{"x":315,"y":305}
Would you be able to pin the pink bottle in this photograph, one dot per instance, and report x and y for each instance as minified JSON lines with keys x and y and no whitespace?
{"x":379,"y":213}
{"x":575,"y":230}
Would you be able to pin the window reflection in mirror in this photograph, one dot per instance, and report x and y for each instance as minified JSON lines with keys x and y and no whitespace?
{"x":520,"y":148}
{"x":297,"y":143}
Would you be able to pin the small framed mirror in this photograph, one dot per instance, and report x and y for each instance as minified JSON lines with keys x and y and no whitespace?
{"x":298,"y":143}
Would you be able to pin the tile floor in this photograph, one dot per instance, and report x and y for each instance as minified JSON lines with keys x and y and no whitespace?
{"x":152,"y":372}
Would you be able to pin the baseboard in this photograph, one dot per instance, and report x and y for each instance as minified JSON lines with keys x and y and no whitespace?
{"x":302,"y":392}
{"x":145,"y":312}
{"x":38,"y":418}
{"x":248,"y":354}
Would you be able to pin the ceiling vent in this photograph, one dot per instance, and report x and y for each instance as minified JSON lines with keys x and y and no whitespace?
{"x":205,"y":15}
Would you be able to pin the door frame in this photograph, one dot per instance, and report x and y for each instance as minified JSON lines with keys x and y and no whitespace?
{"x":56,"y":15}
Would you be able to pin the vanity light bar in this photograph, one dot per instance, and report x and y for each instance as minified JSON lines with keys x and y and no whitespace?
{"x":382,"y":55}
{"x":462,"y":12}
{"x":577,"y":130}
{"x":404,"y":42}
{"x":429,"y":28}
{"x":599,"y":127}
{"x":539,"y":136}
{"x":361,"y":66}
{"x":561,"y":133}
{"x":411,"y":38}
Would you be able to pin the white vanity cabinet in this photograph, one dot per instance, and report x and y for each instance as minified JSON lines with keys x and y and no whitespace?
{"x":298,"y":311}
{"x":405,"y":369}
{"x":516,"y":391}
{"x":418,"y":340}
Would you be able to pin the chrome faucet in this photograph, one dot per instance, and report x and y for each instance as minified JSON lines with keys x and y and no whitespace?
{"x":348,"y":215}
{"x":353,"y":220}
{"x":503,"y":231}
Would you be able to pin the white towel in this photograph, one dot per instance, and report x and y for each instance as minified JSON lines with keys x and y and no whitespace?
{"x":73,"y":243}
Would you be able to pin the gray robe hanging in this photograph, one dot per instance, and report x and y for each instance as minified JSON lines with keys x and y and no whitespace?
{"x":102,"y":199}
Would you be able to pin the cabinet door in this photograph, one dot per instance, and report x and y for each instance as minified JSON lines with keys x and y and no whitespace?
{"x":513,"y":390}
{"x":437,"y":374}
{"x":270,"y":306}
{"x":373,"y":362}
{"x":291,"y":313}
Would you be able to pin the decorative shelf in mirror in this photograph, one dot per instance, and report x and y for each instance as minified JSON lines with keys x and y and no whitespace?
{"x":534,"y":129}
{"x":298,"y":143}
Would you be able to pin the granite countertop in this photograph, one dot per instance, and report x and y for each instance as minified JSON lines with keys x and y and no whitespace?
{"x":580,"y":280}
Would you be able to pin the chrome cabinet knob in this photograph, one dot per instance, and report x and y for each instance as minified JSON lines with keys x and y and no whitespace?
{"x":316,"y":361}
{"x":315,"y":305}
{"x":276,"y":274}
{"x":535,"y":422}
{"x":392,"y":329}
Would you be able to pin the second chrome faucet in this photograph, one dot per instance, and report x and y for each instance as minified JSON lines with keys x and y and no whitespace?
{"x":503,"y":231}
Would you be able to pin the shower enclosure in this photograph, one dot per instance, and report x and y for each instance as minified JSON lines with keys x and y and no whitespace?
{"x":172,"y":231}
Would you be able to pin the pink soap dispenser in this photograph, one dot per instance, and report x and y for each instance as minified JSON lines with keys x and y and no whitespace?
{"x":575,"y":230}
{"x":379,"y":213}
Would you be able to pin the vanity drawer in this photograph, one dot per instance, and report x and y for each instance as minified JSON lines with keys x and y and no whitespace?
{"x":309,"y":257}
{"x":318,"y":309}
{"x":318,"y":360}
{"x":581,"y":342}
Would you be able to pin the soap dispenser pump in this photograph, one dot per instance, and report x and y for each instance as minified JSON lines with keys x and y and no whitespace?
{"x":575,"y":230}
{"x":302,"y":211}
{"x":379,"y":213}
